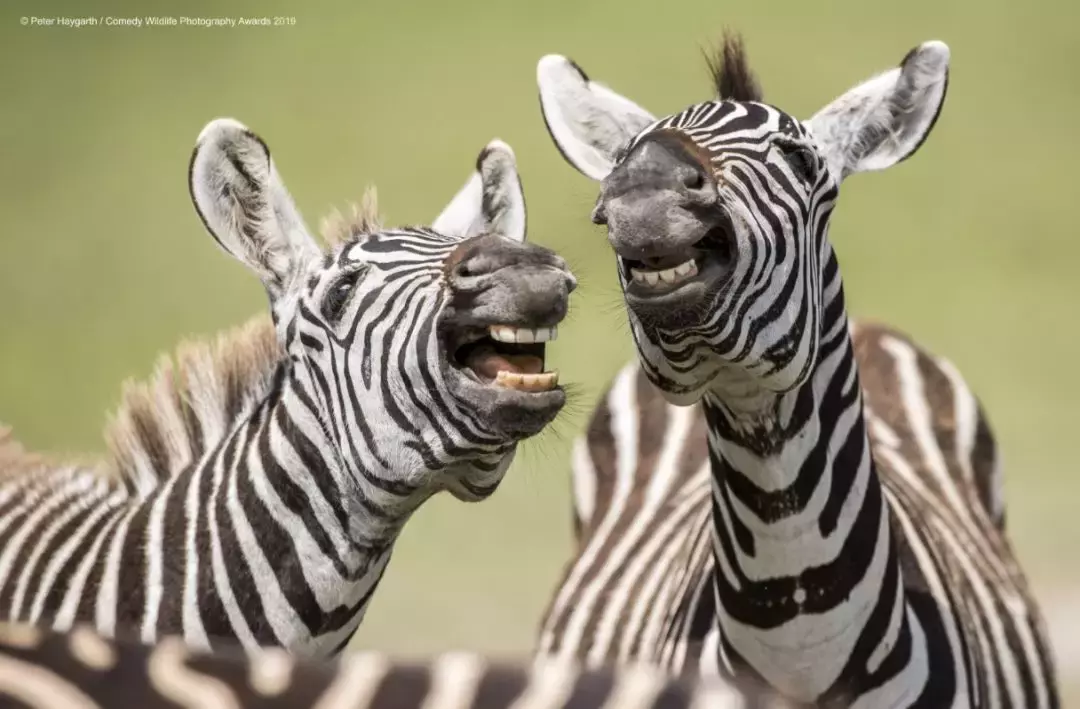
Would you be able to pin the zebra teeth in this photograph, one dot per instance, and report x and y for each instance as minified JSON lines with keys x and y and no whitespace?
{"x":667,"y":277}
{"x":522,"y":335}
{"x":527,"y":382}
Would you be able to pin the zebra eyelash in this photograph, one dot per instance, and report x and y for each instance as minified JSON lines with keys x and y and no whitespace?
{"x":339,"y":293}
{"x":800,"y":157}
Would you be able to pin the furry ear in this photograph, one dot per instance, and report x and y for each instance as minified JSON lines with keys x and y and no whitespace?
{"x":245,"y":206}
{"x":885,"y":119}
{"x":588,"y":121}
{"x":491,"y":202}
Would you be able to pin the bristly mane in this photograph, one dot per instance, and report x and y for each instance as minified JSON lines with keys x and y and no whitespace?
{"x":730,"y":70}
{"x":337,"y":229}
{"x":193,"y":399}
{"x":191,"y":402}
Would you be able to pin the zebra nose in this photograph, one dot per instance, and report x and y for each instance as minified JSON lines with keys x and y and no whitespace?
{"x":661,"y":199}
{"x":571,"y":282}
{"x":662,"y":166}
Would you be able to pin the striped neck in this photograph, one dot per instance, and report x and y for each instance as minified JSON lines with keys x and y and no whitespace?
{"x":283,"y":539}
{"x":806,"y":564}
{"x":326,"y":523}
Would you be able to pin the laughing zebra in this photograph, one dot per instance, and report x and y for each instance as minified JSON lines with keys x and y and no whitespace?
{"x":255,"y":488}
{"x":849,"y":535}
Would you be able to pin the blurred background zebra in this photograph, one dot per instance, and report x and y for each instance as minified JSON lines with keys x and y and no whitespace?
{"x":81,"y":669}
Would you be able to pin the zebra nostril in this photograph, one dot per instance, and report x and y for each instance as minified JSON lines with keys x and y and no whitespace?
{"x":599,"y":216}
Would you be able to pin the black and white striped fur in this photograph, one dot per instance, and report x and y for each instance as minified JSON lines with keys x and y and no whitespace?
{"x":852,"y":537}
{"x":81,"y":669}
{"x":255,"y":488}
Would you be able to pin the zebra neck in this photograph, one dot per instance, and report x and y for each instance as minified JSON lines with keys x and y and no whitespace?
{"x":806,"y":565}
{"x":317,"y":547}
{"x":351,"y":496}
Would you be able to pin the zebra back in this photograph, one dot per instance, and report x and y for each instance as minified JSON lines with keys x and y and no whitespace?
{"x":82,"y":670}
{"x":640,"y":490}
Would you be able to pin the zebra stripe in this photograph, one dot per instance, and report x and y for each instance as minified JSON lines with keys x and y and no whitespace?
{"x":83,"y":670}
{"x":854,"y":512}
{"x":256,"y":485}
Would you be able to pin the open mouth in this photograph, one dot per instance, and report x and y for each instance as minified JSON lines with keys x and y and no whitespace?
{"x":506,"y":356}
{"x":712,"y":255}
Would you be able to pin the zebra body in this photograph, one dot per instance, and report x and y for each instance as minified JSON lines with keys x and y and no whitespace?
{"x":256,"y":486}
{"x":849,"y":536}
{"x":81,"y":669}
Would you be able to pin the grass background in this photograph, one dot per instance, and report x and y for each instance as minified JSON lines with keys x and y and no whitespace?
{"x":971,"y":246}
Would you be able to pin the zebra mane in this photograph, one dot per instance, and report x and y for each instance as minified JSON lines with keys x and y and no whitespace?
{"x":190,"y":402}
{"x":730,"y":71}
{"x":193,"y":398}
{"x":15,"y":459}
{"x":169,"y":420}
{"x":364,"y":218}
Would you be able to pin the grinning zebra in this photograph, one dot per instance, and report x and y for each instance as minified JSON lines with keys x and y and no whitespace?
{"x":81,"y":669}
{"x":254,"y":490}
{"x":853,"y":538}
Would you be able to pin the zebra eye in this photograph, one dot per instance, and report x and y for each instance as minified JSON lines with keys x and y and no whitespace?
{"x":338,"y":295}
{"x":801,"y":160}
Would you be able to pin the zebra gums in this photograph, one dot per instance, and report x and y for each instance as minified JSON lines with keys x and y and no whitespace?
{"x":828,"y":514}
{"x":255,"y":488}
{"x":80,"y":669}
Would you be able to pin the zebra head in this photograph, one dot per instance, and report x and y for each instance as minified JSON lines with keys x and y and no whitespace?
{"x":420,"y":350}
{"x":719,"y":213}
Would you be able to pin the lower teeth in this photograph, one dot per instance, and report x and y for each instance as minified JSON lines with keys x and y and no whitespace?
{"x":527,"y":382}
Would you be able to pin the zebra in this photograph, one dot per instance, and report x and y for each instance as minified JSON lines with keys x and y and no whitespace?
{"x":852,"y":540}
{"x":81,"y":669}
{"x":254,"y":488}
{"x":637,"y":585}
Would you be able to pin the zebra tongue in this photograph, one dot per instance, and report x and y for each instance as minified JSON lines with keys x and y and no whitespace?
{"x":487,"y":363}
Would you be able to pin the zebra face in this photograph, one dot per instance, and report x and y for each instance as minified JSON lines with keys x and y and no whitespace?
{"x":718,"y":214}
{"x":479,"y":311}
{"x":420,"y":349}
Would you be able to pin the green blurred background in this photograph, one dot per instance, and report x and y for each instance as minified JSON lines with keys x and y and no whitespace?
{"x":971,"y":246}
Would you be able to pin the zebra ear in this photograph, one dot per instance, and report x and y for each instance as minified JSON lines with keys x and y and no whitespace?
{"x":588,"y":121}
{"x":885,"y":119}
{"x":491,"y":202}
{"x":245,"y":206}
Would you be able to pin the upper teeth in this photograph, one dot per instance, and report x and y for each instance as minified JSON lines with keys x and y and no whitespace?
{"x":666,"y":277}
{"x":523,"y":335}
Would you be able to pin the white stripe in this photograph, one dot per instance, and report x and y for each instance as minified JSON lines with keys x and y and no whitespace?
{"x":218,"y":568}
{"x":622,"y":402}
{"x":39,"y":510}
{"x":358,"y":678}
{"x":62,"y":558}
{"x":583,"y":480}
{"x":154,"y":551}
{"x":108,"y":594}
{"x":455,"y":677}
{"x":661,"y":480}
{"x":288,"y":628}
{"x":65,"y":618}
{"x":77,"y":504}
{"x":926,"y":564}
{"x":194,"y":560}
